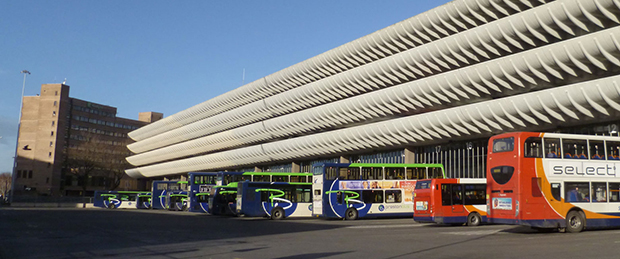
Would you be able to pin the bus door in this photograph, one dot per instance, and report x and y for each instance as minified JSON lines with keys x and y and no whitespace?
{"x":317,"y":194}
{"x":457,"y":198}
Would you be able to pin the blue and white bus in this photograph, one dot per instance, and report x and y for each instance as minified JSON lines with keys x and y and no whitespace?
{"x":200,"y":186}
{"x":224,"y":195}
{"x":178,"y":200}
{"x":351,"y":191}
{"x":144,"y":200}
{"x":274,"y":200}
{"x":222,"y":199}
{"x":163,"y":191}
{"x":117,"y":199}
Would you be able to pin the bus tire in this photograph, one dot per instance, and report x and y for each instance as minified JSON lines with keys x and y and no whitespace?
{"x":350,"y":214}
{"x":277,"y":213}
{"x":473,"y":219}
{"x":575,"y":221}
{"x":111,"y":205}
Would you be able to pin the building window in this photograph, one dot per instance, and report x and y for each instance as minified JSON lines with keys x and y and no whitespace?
{"x":55,"y":103}
{"x":49,"y":165}
{"x":19,"y":172}
{"x":53,"y":123}
{"x":50,"y":154}
{"x":47,"y":180}
{"x":52,"y":134}
{"x":56,"y":93}
{"x":54,"y":113}
{"x":30,"y":174}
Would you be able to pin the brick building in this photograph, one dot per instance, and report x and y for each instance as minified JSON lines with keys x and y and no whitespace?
{"x":55,"y":129}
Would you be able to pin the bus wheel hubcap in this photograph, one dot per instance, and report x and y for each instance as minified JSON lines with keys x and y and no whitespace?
{"x":575,"y":222}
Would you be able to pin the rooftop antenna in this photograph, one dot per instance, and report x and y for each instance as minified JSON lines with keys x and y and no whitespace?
{"x":64,"y":82}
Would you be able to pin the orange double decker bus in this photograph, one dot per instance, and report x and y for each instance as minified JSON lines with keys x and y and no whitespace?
{"x":450,"y":201}
{"x":552,"y":180}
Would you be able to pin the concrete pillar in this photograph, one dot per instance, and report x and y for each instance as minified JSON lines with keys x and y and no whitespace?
{"x":296,"y":168}
{"x":409,"y":156}
{"x":344,"y":160}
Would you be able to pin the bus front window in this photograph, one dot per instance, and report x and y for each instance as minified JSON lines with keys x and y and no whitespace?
{"x":503,"y":145}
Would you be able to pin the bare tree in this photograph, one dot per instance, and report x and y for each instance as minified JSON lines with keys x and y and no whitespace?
{"x":115,"y":166}
{"x":6,"y":180}
{"x":97,"y":161}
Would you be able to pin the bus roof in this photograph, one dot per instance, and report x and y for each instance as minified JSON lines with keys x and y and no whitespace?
{"x":380,"y":165}
{"x":277,"y":173}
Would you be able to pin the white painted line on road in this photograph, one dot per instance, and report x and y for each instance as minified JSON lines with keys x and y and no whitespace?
{"x":389,"y":226}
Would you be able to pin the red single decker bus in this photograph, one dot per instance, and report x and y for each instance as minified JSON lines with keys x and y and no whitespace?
{"x":554,"y":181}
{"x":450,"y":201}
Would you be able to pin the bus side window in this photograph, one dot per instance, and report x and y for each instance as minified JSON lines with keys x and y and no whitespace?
{"x":435,"y":173}
{"x":613,"y":150}
{"x":475,"y":194}
{"x":343,"y":173}
{"x":574,"y":148}
{"x":614,"y":192}
{"x":597,"y":150}
{"x":533,"y":147}
{"x":367,"y":173}
{"x":353,"y":173}
{"x":331,"y":173}
{"x":577,"y":191}
{"x":599,"y":192}
{"x":393,"y":196}
{"x":555,"y":191}
{"x":552,"y":148}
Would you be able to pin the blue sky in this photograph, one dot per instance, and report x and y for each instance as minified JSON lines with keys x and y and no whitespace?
{"x":167,"y":56}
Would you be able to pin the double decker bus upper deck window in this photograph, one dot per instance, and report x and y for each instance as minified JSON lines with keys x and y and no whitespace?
{"x":552,"y":148}
{"x":331,"y":172}
{"x":533,"y":147}
{"x":352,"y":173}
{"x":575,"y":149}
{"x":372,"y":173}
{"x":503,"y":145}
{"x":394,"y":173}
{"x":613,"y":150}
{"x":435,"y":172}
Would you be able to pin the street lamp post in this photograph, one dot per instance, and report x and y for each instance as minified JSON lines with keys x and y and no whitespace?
{"x":19,"y":122}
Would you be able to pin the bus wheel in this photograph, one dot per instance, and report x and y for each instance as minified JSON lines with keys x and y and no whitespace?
{"x":473,"y":219}
{"x":277,"y":213}
{"x":350,"y":214}
{"x":575,"y":222}
{"x":111,"y":205}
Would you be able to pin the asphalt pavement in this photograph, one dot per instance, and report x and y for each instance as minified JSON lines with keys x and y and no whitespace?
{"x":100,"y":233}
